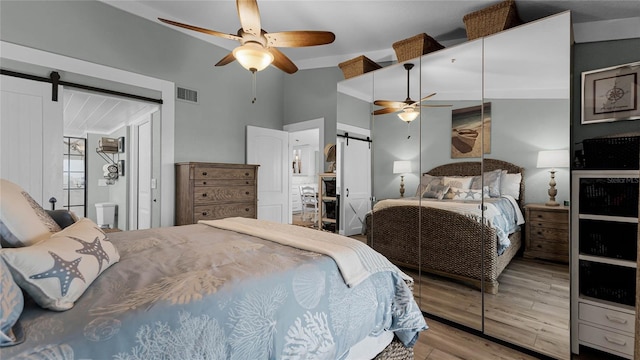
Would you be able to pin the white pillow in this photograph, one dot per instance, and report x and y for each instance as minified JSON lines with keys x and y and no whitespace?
{"x":466,"y":194}
{"x":23,"y":221}
{"x":57,"y":271}
{"x":461,"y":182}
{"x":510,"y":184}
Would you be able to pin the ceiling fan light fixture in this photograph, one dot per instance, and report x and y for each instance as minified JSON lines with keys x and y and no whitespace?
{"x":253,"y":56}
{"x":408,"y":115}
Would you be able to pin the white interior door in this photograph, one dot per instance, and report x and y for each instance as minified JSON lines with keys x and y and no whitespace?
{"x":355,"y":175}
{"x":31,"y":138}
{"x":144,"y":175}
{"x":269,"y":148}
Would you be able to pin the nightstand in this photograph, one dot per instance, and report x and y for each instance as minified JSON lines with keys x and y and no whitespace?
{"x":547,"y":232}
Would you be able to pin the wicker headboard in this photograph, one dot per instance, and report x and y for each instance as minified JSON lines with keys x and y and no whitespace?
{"x":472,"y":168}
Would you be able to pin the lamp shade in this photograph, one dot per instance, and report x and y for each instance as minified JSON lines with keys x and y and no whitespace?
{"x":408,"y":115}
{"x":553,"y":159}
{"x":401,"y":167}
{"x":253,"y":56}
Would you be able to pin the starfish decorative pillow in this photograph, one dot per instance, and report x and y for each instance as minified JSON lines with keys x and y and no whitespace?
{"x":57,"y":271}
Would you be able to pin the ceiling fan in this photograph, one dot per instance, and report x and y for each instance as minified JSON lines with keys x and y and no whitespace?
{"x":408,"y":109}
{"x":258,"y":48}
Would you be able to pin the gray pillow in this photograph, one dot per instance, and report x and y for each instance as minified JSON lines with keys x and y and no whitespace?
{"x":491,"y":180}
{"x":435,"y":191}
{"x":427,"y":180}
{"x":11,"y":305}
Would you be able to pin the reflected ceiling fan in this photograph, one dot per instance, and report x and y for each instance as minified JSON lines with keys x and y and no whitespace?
{"x":258,"y":48}
{"x":408,"y":109}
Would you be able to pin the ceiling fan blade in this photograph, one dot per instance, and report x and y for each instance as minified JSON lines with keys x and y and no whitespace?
{"x":227,"y":59}
{"x":299,"y":38}
{"x":385,"y":111}
{"x":249,"y":16}
{"x":202,"y":30}
{"x":426,"y":97}
{"x":282,"y":62}
{"x":390,"y":103}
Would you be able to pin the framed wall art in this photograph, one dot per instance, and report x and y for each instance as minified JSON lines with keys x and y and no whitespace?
{"x":468,"y":127}
{"x":611,"y":94}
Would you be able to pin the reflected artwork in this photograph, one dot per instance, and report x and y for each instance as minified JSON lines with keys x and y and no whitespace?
{"x":466,"y":126}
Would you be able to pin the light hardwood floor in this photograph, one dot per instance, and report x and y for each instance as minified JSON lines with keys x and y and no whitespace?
{"x":531,"y":308}
{"x":444,"y":342}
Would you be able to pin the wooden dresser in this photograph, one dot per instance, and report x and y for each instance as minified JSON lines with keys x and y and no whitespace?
{"x":547,"y":232}
{"x":208,"y":191}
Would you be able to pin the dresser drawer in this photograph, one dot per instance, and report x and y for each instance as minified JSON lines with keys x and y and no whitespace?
{"x":545,"y":233}
{"x":560,"y":246}
{"x":551,"y":218}
{"x":606,"y":339}
{"x":224,"y":182}
{"x":210,"y":194}
{"x":211,"y":173}
{"x":535,"y":223}
{"x":211,"y":212}
{"x":607,"y":317}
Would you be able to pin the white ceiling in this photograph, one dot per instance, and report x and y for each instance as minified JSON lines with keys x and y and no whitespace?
{"x":90,"y":112}
{"x":368,"y":27}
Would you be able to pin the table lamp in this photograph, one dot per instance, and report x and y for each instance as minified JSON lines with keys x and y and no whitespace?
{"x":553,"y":159}
{"x":401,"y":167}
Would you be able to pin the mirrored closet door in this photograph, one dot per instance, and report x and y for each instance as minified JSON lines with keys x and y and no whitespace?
{"x":498,"y":102}
{"x":527,"y":82}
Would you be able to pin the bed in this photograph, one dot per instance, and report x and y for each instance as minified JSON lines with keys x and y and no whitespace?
{"x":451,"y":241}
{"x":234,"y":288}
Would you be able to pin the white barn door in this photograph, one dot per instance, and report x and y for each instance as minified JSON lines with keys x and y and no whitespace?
{"x":355,"y":173}
{"x":31,"y":138}
{"x":269,"y":148}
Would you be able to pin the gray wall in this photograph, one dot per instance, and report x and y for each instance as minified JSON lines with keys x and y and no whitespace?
{"x":593,"y":56}
{"x":311,"y":94}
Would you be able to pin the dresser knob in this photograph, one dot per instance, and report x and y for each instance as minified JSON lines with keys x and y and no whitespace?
{"x":204,"y":213}
{"x":204,"y":195}
{"x":246,"y":209}
{"x":246,"y":193}
{"x":204,"y":173}
{"x":246,"y":182}
{"x":204,"y":183}
{"x":246,"y":174}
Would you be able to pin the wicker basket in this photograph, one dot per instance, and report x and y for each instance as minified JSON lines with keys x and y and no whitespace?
{"x":358,"y":66}
{"x":415,"y":46}
{"x":612,"y":153}
{"x":491,"y":20}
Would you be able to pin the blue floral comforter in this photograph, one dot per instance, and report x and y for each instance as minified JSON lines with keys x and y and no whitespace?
{"x":198,"y":292}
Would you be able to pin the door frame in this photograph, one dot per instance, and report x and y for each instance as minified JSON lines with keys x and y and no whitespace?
{"x":58,"y":62}
{"x":300,"y":126}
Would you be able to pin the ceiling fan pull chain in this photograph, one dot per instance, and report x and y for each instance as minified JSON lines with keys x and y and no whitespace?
{"x":253,"y":86}
{"x":408,"y":132}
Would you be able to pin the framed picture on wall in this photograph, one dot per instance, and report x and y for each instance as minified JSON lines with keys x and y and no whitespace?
{"x":468,"y":127}
{"x":611,"y":94}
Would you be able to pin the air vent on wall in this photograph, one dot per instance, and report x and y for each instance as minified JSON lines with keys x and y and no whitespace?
{"x":187,"y":95}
